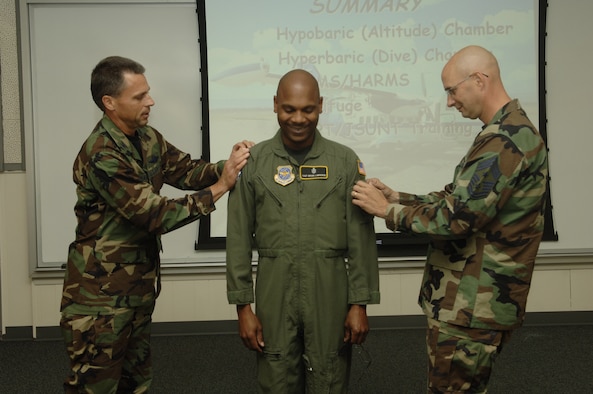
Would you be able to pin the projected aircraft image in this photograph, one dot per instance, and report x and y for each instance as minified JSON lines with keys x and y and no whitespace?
{"x":375,"y":116}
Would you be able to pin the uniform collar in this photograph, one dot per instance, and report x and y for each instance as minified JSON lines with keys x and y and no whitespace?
{"x":509,"y":107}
{"x":121,"y":139}
{"x":316,"y":149}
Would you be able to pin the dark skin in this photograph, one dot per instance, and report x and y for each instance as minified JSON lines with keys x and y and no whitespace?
{"x":297,"y":105}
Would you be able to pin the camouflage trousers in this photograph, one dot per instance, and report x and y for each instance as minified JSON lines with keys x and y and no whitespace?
{"x":109,"y":353}
{"x":460,"y":359}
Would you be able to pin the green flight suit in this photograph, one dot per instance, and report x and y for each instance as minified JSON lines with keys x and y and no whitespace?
{"x":316,"y":255}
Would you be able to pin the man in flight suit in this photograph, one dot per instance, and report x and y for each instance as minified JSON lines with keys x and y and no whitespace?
{"x":317,"y":265}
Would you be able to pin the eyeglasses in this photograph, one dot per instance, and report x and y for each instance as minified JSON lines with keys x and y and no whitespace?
{"x":451,"y":91}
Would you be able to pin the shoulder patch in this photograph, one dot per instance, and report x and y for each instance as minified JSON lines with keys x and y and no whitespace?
{"x":361,"y":169}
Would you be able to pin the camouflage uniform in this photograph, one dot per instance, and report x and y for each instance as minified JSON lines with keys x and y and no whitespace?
{"x":113,"y":264}
{"x":485,"y":227}
{"x":305,"y":228}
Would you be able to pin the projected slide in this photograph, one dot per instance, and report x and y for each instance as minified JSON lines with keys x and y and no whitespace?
{"x":378,"y":64}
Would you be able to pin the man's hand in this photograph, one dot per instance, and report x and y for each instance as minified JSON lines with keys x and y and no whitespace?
{"x":391,"y":195}
{"x":235,"y":163}
{"x":371,"y":198}
{"x":232,"y":168}
{"x":356,"y":326}
{"x":250,"y":328}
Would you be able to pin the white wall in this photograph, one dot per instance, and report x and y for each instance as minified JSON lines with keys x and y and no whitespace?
{"x":34,"y":302}
{"x":569,"y":83}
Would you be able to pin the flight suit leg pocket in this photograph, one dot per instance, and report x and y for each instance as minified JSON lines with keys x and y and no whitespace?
{"x":328,"y":374}
{"x":271,"y":371}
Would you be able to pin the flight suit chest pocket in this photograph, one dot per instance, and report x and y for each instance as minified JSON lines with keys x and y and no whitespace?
{"x":268,"y":193}
{"x":329,"y":213}
{"x":330,"y":195}
{"x":319,"y":197}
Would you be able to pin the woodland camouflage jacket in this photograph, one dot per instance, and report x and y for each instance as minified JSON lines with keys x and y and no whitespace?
{"x":485,"y":227}
{"x":114,"y":259}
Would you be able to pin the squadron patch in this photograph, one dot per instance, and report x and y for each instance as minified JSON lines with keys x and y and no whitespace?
{"x":284,"y":175}
{"x":308,"y":173}
{"x":361,"y":169}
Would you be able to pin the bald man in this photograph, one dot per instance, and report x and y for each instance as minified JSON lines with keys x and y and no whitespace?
{"x":485,"y":227}
{"x":292,"y":203}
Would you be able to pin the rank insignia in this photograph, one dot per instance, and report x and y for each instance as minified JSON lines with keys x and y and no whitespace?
{"x":361,"y":169}
{"x":313,"y":172}
{"x":284,"y":175}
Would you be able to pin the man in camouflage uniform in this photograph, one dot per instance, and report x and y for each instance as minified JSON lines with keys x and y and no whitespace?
{"x":317,"y":257}
{"x":485,"y":227}
{"x":113,"y":264}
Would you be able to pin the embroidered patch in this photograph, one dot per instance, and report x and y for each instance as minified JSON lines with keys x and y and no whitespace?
{"x":308,"y":173}
{"x":484,"y":178}
{"x":284,"y":175}
{"x":361,"y":169}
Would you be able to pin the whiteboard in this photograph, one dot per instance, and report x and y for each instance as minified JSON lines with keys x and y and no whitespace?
{"x":66,"y":41}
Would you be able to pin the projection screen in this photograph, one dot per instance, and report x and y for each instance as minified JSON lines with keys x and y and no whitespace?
{"x":378,"y":64}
